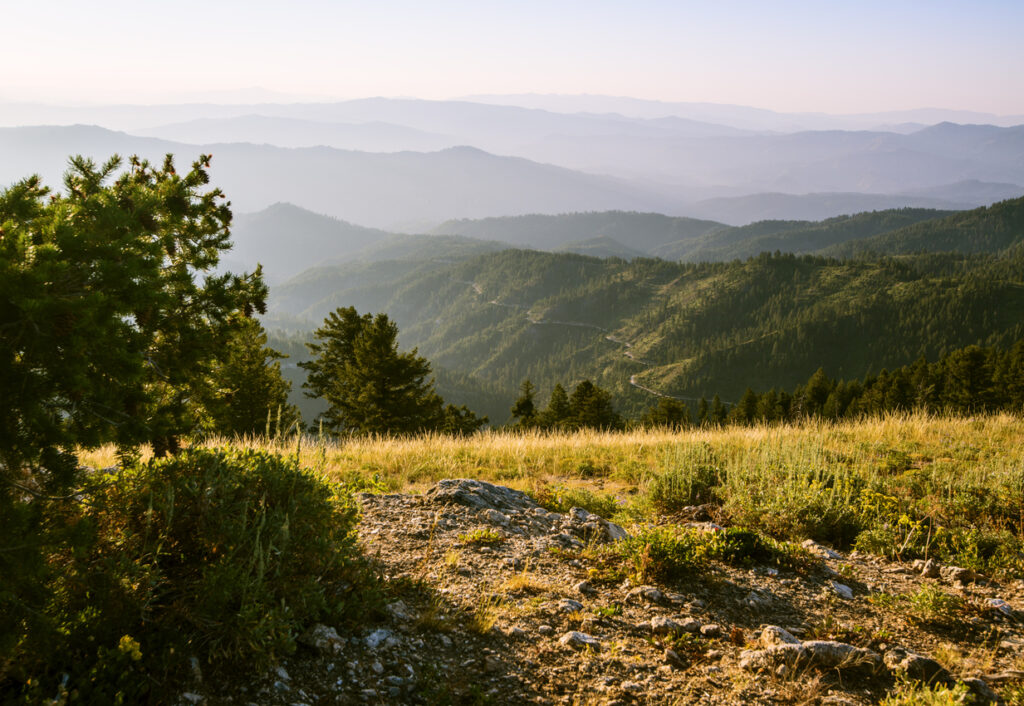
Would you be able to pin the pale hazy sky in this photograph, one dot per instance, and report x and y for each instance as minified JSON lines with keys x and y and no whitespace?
{"x":825,"y":55}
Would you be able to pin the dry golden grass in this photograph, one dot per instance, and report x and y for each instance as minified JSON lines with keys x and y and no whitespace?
{"x":983,"y":446}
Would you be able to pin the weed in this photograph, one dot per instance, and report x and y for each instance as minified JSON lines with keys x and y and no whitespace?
{"x":609,"y":611}
{"x":916,"y":694}
{"x":930,"y":605}
{"x":451,"y":559}
{"x":483,"y":535}
{"x":485,"y":617}
{"x":524,"y":582}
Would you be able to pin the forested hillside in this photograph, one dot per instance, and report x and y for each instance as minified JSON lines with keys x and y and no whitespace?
{"x":985,"y":229}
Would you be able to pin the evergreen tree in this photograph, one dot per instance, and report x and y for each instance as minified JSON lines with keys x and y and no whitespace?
{"x":745,"y":412}
{"x":460,"y":421}
{"x":556,"y":414}
{"x":524,"y":410}
{"x":111,"y":316}
{"x":370,"y":386}
{"x":247,"y":387}
{"x":590,"y":407}
{"x":703,"y":414}
{"x":668,"y":413}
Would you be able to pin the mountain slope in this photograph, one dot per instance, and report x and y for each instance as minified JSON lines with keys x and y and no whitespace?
{"x":640,"y":231}
{"x":793,"y":236}
{"x":987,"y":229}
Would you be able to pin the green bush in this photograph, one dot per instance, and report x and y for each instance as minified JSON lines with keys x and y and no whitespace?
{"x":221,"y":555}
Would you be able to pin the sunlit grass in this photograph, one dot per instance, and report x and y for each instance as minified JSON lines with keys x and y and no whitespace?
{"x":791,"y":481}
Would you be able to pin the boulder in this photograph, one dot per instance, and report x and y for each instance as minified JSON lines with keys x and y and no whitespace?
{"x":480,"y":495}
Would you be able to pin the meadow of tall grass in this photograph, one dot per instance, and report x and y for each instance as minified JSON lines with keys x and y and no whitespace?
{"x":902,"y":485}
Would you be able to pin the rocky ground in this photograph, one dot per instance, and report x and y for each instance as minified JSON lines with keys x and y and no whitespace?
{"x":494,"y":599}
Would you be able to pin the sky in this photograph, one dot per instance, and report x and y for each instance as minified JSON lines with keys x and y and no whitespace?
{"x":822,"y":56}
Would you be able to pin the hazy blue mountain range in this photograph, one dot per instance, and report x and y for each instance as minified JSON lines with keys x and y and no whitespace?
{"x":374,"y":189}
{"x":679,"y":164}
{"x":743,"y":117}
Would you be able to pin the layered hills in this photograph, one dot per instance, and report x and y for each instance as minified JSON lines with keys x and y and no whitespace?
{"x":648,"y":326}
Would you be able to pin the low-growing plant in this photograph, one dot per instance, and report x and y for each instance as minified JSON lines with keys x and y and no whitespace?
{"x":485,"y":617}
{"x":930,"y":605}
{"x":917,"y":694}
{"x":481,"y":535}
{"x":608,"y":611}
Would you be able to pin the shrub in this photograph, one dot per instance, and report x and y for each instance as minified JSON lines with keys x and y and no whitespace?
{"x":216,"y":554}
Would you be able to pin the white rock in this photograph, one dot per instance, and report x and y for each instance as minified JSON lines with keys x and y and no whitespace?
{"x":579,"y":641}
{"x":376,"y":638}
{"x":774,"y":635}
{"x":842,"y":590}
{"x":820,"y":550}
{"x":568,"y":605}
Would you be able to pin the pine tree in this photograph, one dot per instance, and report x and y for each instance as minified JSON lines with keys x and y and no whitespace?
{"x":524,"y":410}
{"x":590,"y":407}
{"x":556,"y":414}
{"x":668,"y":413}
{"x":370,"y":386}
{"x":247,"y":387}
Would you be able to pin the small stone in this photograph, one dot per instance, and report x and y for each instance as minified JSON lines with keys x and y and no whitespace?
{"x":842,"y":590}
{"x":774,"y":635}
{"x":493,"y":516}
{"x":193,"y":698}
{"x":981,"y":690}
{"x":395,"y":680}
{"x":545,"y":629}
{"x":956,"y":574}
{"x":399,"y":611}
{"x":368,"y":694}
{"x":711,"y":630}
{"x":322,"y":638}
{"x":492,"y":664}
{"x":282,"y":673}
{"x":585,"y":588}
{"x":580,"y":641}
{"x":631,"y":686}
{"x":515,"y":632}
{"x":281,"y":686}
{"x":660,"y":625}
{"x":828,"y":654}
{"x":673,"y":659}
{"x":690,"y":625}
{"x":914,"y":666}
{"x":376,"y":638}
{"x":645,"y":594}
{"x":820,"y":550}
{"x":568,"y":605}
{"x":377,"y":668}
{"x":1000,"y":605}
